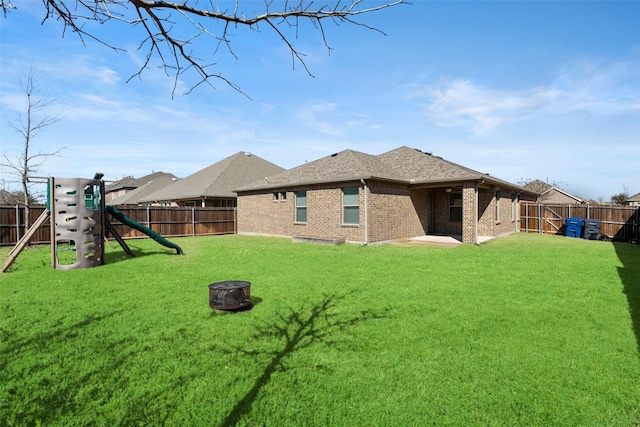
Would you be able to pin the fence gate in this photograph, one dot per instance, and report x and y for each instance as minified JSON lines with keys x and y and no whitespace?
{"x":553,"y":221}
{"x":618,"y":222}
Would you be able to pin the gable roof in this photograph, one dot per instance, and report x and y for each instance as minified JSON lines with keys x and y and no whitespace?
{"x":133,"y":197}
{"x":538,"y":186}
{"x":405,"y":165}
{"x":131,"y":182}
{"x":546,"y":190}
{"x":126,"y":182}
{"x":347,"y":165}
{"x":635,"y":198}
{"x":218,"y":180}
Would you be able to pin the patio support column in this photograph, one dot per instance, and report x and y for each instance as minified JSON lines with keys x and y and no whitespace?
{"x":470,"y":213}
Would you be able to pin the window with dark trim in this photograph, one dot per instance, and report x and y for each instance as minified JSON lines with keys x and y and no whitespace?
{"x":455,"y":206}
{"x":301,"y":206}
{"x":351,"y":205}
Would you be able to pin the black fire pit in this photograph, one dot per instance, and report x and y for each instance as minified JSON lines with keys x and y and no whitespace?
{"x":230,"y":295}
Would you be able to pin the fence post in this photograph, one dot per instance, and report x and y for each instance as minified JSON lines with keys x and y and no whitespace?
{"x":17,"y":223}
{"x":540,"y":228}
{"x":149,"y":217}
{"x":193,"y":221}
{"x":638,"y":225}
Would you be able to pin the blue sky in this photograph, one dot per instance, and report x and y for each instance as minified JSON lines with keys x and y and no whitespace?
{"x":520,"y":90}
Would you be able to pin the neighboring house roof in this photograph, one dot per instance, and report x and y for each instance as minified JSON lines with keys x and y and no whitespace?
{"x":133,"y":197}
{"x":633,"y":199}
{"x":129,"y":182}
{"x":549,"y":193}
{"x":218,"y":180}
{"x":403,"y":164}
{"x":5,"y":197}
{"x":538,"y":186}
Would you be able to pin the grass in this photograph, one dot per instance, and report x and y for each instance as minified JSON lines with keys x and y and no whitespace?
{"x":523,"y":330}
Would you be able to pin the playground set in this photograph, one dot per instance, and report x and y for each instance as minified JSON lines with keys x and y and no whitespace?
{"x":79,"y":221}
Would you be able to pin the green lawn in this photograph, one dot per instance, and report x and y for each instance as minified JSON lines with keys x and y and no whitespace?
{"x":524,"y":330}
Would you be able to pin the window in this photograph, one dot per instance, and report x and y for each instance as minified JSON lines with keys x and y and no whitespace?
{"x":455,"y":206}
{"x":498,"y":195}
{"x":301,"y":206}
{"x":276,"y":196}
{"x":283,"y":196}
{"x":514,"y":206}
{"x":351,"y":205}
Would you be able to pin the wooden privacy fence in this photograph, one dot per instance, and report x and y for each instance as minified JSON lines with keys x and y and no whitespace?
{"x":618,"y":222}
{"x":164,"y":220}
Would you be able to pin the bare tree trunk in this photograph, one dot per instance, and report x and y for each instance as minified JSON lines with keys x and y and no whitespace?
{"x":28,"y":125}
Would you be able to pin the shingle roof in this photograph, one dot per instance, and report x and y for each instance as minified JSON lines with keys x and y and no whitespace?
{"x":635,"y":198}
{"x":538,"y":186}
{"x":219,"y":179}
{"x":133,"y":197}
{"x":402,"y":164}
{"x":346,"y":165}
{"x":126,"y":182}
{"x":131,"y":182}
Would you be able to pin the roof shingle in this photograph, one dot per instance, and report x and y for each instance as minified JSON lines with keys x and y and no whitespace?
{"x":219,"y":179}
{"x":402,"y":164}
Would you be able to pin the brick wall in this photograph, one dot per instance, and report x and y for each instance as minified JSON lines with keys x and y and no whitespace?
{"x":469,"y":225}
{"x":506,"y":222}
{"x":486,"y":212}
{"x":258,"y":213}
{"x":395,"y":211}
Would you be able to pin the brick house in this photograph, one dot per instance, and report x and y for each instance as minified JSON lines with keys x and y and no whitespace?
{"x":363,"y":198}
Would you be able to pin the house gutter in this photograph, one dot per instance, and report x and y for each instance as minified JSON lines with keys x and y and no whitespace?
{"x":366,"y":213}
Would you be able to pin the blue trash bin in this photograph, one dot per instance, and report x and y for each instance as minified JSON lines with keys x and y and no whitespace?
{"x":574,"y":227}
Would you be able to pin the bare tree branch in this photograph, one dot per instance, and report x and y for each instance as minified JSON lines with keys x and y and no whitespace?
{"x":29,"y":125}
{"x":170,"y":30}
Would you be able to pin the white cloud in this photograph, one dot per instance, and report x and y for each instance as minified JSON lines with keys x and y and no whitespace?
{"x":329,"y":119}
{"x":579,"y":87}
{"x":461,"y":103}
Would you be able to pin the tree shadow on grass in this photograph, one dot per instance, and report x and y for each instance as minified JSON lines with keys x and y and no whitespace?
{"x":293,"y":330}
{"x":629,"y":256}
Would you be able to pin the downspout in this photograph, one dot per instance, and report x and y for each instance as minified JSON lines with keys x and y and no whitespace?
{"x":475,"y":210}
{"x":366,"y":213}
